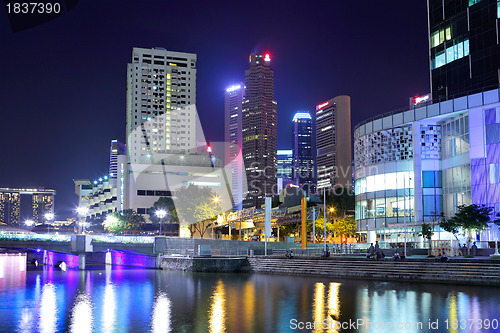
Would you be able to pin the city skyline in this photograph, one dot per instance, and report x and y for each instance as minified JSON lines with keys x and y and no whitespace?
{"x":78,"y":114}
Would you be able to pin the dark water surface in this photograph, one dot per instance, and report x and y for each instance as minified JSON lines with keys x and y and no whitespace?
{"x":129,"y":300}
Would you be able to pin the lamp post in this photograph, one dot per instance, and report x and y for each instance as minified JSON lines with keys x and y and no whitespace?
{"x":82,"y":211}
{"x":29,"y":223}
{"x":216,"y":200}
{"x":331,"y":212}
{"x":161,"y":213}
{"x":49,"y":217}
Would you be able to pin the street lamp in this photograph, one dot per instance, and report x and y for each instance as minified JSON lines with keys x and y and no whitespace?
{"x":216,"y":200}
{"x":82,"y":211}
{"x":49,"y":217}
{"x":161,"y":213}
{"x":29,"y":223}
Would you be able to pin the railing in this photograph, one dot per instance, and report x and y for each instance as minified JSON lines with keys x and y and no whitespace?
{"x":34,"y":237}
{"x":123,"y":239}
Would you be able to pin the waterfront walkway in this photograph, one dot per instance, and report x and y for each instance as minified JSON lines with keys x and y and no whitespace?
{"x":478,"y":270}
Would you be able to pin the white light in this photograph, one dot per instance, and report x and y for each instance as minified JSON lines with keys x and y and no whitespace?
{"x":160,"y":320}
{"x":161,"y":213}
{"x":49,"y":216}
{"x":48,"y":309}
{"x":82,"y":211}
{"x":29,"y":223}
{"x":233,"y":87}
{"x":81,"y":316}
{"x":301,"y":115}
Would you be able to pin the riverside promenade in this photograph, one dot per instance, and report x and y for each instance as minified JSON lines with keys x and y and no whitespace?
{"x":476,"y":271}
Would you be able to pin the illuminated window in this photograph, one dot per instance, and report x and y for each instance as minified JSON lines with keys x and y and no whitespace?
{"x":448,"y":33}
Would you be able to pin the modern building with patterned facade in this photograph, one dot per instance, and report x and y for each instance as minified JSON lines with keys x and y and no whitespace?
{"x":413,"y":165}
{"x":18,"y":205}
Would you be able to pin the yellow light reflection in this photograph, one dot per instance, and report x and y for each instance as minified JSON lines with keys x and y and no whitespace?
{"x":48,"y":309}
{"x":319,"y":306}
{"x":109,"y":308}
{"x":81,"y":316}
{"x":217,"y":311}
{"x":453,"y":312}
{"x":160,"y":321}
{"x":333,"y":306}
{"x":249,"y":305}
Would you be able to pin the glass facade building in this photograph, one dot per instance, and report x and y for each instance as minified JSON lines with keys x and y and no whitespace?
{"x":464,"y":45}
{"x":303,"y":159}
{"x":413,"y":165}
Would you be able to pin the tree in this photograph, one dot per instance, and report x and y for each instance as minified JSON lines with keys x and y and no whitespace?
{"x":196,"y":205}
{"x":427,"y":231}
{"x":319,"y":228}
{"x":341,"y":200}
{"x":345,"y":227}
{"x":123,"y":222}
{"x":469,"y":218}
{"x":166,"y":204}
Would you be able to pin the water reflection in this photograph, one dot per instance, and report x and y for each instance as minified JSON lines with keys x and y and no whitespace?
{"x":82,"y":319}
{"x":42,"y":299}
{"x":218,"y":311}
{"x":48,"y":309}
{"x":160,"y":321}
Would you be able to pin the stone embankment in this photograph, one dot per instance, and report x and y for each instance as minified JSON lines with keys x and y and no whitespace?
{"x":478,"y":272}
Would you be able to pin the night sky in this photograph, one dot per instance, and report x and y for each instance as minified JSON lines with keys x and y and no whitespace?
{"x":63,"y":83}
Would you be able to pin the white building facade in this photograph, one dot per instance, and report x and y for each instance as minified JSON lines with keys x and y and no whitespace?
{"x":413,"y":165}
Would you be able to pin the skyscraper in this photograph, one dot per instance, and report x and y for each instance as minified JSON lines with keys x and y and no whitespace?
{"x":161,"y":97}
{"x":284,"y":172}
{"x":464,"y":46}
{"x":117,"y":148}
{"x":18,"y":205}
{"x":232,"y":136}
{"x":333,"y":143}
{"x":303,"y":158}
{"x":259,"y":130}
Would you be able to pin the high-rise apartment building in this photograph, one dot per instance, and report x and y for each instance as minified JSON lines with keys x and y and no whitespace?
{"x":161,"y":98}
{"x":333,"y":143}
{"x":233,"y":138}
{"x":303,"y":154}
{"x":259,"y":130}
{"x":117,"y":148}
{"x":464,"y":46}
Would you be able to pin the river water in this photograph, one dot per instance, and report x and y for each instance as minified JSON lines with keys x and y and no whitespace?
{"x":45,"y":299}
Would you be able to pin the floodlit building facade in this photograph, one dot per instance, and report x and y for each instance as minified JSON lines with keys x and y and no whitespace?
{"x":284,"y":171}
{"x":233,"y":102}
{"x":413,"y":165}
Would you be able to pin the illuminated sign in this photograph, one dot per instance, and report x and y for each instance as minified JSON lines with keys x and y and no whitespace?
{"x":267,"y":57}
{"x":419,"y":99}
{"x":233,"y":87}
{"x":322,"y":105}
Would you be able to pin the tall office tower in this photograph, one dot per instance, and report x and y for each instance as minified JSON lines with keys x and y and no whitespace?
{"x":42,"y":203}
{"x":117,"y":148}
{"x":464,"y":46}
{"x":259,"y":130}
{"x":232,"y":136}
{"x":303,"y":156}
{"x":161,"y":97}
{"x":284,"y":172}
{"x":333,"y":143}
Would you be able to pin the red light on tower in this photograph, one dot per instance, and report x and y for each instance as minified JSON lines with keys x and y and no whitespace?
{"x":209,"y":149}
{"x":267,"y":57}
